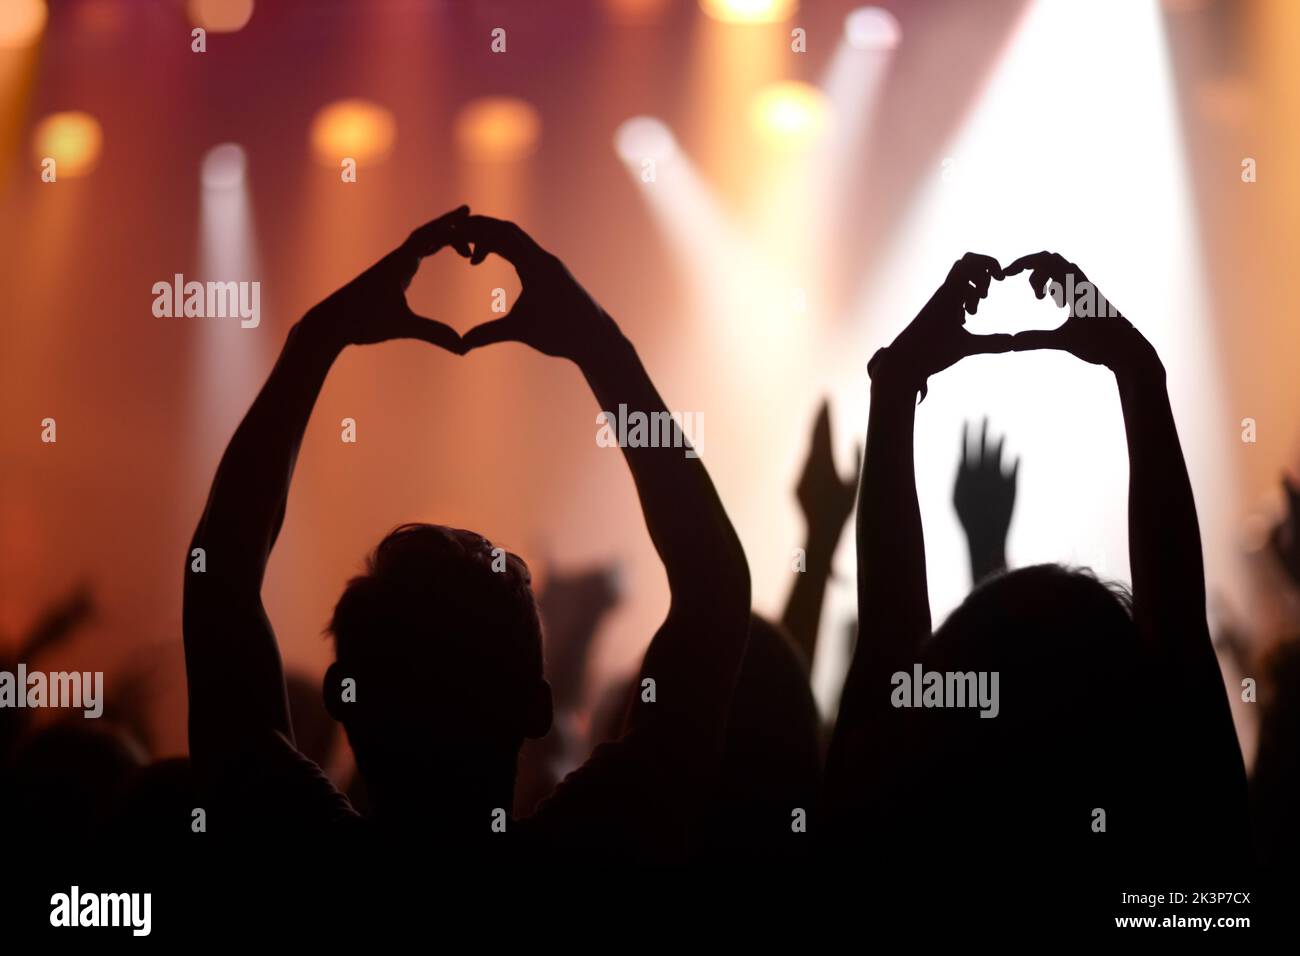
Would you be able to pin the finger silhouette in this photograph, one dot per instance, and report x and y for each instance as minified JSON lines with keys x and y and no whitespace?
{"x":1031,"y":261}
{"x":433,"y":235}
{"x":988,"y":344}
{"x":489,"y":333}
{"x":1039,"y":339}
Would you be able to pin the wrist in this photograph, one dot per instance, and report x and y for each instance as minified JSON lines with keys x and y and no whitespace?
{"x":607,"y":346}
{"x":311,"y":337}
{"x":984,"y":561}
{"x":820,"y":542}
{"x":890,"y":374}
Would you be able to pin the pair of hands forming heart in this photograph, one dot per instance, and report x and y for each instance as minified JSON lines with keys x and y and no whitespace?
{"x":937,"y":338}
{"x":553,"y":313}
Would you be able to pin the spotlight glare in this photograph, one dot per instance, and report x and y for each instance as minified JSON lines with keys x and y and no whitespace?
{"x":223,"y":167}
{"x":221,"y":16}
{"x":872,"y":28}
{"x":644,"y":137}
{"x":497,"y":129}
{"x":789,"y":113}
{"x":749,"y":11}
{"x":73,"y":140}
{"x":21,"y":22}
{"x":353,"y":129}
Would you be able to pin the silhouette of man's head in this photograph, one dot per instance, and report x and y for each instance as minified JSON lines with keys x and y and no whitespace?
{"x":439,"y":653}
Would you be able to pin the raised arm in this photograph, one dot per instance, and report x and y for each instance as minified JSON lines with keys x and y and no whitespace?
{"x":826,"y":501}
{"x":1164,"y":535}
{"x":695,"y":655}
{"x":984,"y":497}
{"x":236,"y":683}
{"x":893,"y":601}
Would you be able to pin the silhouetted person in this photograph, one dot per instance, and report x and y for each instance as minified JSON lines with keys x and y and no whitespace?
{"x":769,"y":784}
{"x":1285,"y":537}
{"x":1275,"y":783}
{"x":54,"y":626}
{"x":769,"y":780}
{"x":826,"y":500}
{"x":438,"y":677}
{"x":572,"y":607}
{"x":1099,"y":709}
{"x":68,"y":776}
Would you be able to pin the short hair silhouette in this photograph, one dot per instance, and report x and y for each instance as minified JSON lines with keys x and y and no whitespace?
{"x":442,"y":638}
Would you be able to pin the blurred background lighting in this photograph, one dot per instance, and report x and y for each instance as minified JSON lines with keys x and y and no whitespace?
{"x":872,"y":28}
{"x":223,"y":166}
{"x":497,"y":129}
{"x":749,"y":11}
{"x":789,"y":113}
{"x":221,"y":16}
{"x":21,"y":22}
{"x":644,"y":137}
{"x":73,"y":140}
{"x":353,"y":128}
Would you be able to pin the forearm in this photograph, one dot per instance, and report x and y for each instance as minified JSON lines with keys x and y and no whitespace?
{"x":695,"y":656}
{"x":893,"y":603}
{"x":892,"y":587}
{"x":245,"y":506}
{"x":1169,"y":610}
{"x":985,"y":560}
{"x":688,"y":525}
{"x":803,"y":609}
{"x":230,"y":648}
{"x":1164,"y":535}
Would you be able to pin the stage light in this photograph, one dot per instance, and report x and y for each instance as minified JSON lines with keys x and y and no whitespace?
{"x":223,"y":167}
{"x":21,"y":22}
{"x":872,"y":28}
{"x":221,"y":16}
{"x":789,"y":113}
{"x":73,"y":140}
{"x":1009,"y":191}
{"x":749,"y":11}
{"x":644,"y":137}
{"x":497,"y":129}
{"x":353,"y":129}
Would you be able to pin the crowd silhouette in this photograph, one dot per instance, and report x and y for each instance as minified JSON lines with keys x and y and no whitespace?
{"x":464,"y":696}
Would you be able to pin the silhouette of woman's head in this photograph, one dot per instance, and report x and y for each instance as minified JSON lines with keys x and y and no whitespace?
{"x":1064,"y":649}
{"x":439,"y":648}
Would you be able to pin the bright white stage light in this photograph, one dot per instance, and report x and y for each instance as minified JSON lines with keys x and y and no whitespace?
{"x":872,"y":28}
{"x":230,"y":361}
{"x":644,"y":137}
{"x":223,"y":167}
{"x":1083,"y":155}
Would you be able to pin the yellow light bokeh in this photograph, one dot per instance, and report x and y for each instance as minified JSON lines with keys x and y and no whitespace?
{"x":789,"y":113}
{"x":221,"y":16}
{"x":353,"y":129}
{"x":21,"y":22}
{"x":497,"y":129}
{"x":73,"y":140}
{"x":749,"y":11}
